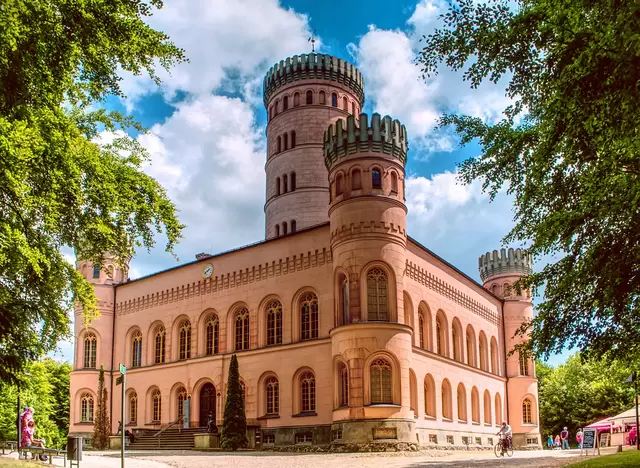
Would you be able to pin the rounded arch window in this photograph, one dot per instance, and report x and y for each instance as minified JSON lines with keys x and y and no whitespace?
{"x":272,"y":395}
{"x":181,"y":396}
{"x":345,"y":103}
{"x":242,"y":329}
{"x":285,"y":103}
{"x":133,"y":407}
{"x":212,"y":335}
{"x":308,"y":316}
{"x":309,"y":97}
{"x":90,"y":351}
{"x":274,"y":323}
{"x":323,"y":97}
{"x":159,"y":338}
{"x":296,"y":99}
{"x":339,"y":184}
{"x":356,"y":179}
{"x":307,"y":392}
{"x":156,"y":399}
{"x":381,"y":383}
{"x":343,"y":385}
{"x":376,"y":178}
{"x":136,"y":351}
{"x":527,"y":411}
{"x":377,"y":295}
{"x":334,"y":100}
{"x":86,"y":407}
{"x":184,"y":344}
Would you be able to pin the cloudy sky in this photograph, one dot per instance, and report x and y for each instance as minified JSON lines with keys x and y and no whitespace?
{"x":207,"y":121}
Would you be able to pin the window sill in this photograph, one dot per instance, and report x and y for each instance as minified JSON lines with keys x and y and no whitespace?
{"x":430,"y":418}
{"x":383,"y":405}
{"x":269,"y":416}
{"x":462,"y":421}
{"x":447,"y":420}
{"x":474,"y":423}
{"x":488,"y":424}
{"x":85,"y":423}
{"x":305,"y":414}
{"x":530,"y":425}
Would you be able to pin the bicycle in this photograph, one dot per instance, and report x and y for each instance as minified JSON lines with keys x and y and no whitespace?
{"x":499,"y":449}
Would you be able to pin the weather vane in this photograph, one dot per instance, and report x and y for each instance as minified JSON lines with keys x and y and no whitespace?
{"x":312,"y":39}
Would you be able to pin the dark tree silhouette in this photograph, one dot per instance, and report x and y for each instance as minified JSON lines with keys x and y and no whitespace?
{"x":234,"y":425}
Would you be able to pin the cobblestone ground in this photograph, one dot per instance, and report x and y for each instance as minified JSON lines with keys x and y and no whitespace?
{"x":187,"y":459}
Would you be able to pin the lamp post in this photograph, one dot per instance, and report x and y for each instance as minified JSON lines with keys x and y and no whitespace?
{"x":634,"y":378}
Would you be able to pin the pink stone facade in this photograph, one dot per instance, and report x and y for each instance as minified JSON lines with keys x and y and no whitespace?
{"x":346,"y":329}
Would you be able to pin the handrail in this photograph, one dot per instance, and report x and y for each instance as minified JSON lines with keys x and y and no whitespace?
{"x":165,"y":428}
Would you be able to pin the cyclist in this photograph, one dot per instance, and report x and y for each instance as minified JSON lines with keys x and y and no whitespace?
{"x":505,"y":434}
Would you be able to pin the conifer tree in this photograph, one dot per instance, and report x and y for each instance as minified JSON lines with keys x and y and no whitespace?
{"x":101,"y":431}
{"x":234,"y":425}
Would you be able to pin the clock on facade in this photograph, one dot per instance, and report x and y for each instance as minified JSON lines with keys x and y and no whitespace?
{"x":207,"y":271}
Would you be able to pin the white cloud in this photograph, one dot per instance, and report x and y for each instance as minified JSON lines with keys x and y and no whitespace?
{"x":228,"y":42}
{"x":395,"y":85}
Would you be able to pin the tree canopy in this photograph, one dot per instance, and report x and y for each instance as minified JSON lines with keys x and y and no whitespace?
{"x":567,"y":149}
{"x":58,"y":61}
{"x":580,"y":392}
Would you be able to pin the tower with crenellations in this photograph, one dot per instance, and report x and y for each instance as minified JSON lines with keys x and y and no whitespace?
{"x":499,"y":270}
{"x":303,"y":94}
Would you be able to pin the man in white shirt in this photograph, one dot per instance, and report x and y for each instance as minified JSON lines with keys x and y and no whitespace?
{"x":506,"y":433}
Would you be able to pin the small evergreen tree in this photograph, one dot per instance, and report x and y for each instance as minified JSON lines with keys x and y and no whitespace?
{"x":234,"y":425}
{"x":101,"y":431}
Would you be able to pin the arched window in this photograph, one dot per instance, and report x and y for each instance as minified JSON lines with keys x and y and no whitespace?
{"x":498,"y":409}
{"x":272,"y":396}
{"x":185,"y":340}
{"x":309,"y":316}
{"x":339,"y":184}
{"x":242,"y":329}
{"x":377,"y":295}
{"x":413,"y":393}
{"x":309,"y":97}
{"x":136,"y":351}
{"x":284,"y":228}
{"x":429,"y":396}
{"x":475,"y":405}
{"x":494,"y":356}
{"x":455,"y":340}
{"x":527,"y":417}
{"x":494,"y":289}
{"x":293,"y":181}
{"x":307,"y":392}
{"x":182,"y":396}
{"x":381,"y":383}
{"x":270,"y":112}
{"x":376,"y":179}
{"x":441,"y":331}
{"x":90,"y":351}
{"x":293,"y":142}
{"x":345,"y":104}
{"x":285,"y":183}
{"x":159,"y":337}
{"x":133,"y":407}
{"x":277,"y":230}
{"x":462,"y":403}
{"x":285,"y":103}
{"x":484,"y":357}
{"x":96,"y":271}
{"x":323,"y":98}
{"x":421,"y":329}
{"x":487,"y":407}
{"x":278,"y":145}
{"x":447,"y":411}
{"x":274,"y":323}
{"x":343,"y":385}
{"x":86,"y":407}
{"x":296,"y":99}
{"x":212,"y":335}
{"x":394,"y":182}
{"x":156,"y":399}
{"x":471,"y":347}
{"x":524,"y":364}
{"x":286,"y":141}
{"x":356,"y":183}
{"x":293,"y":226}
{"x":276,"y":107}
{"x":353,"y":108}
{"x":277,"y":186}
{"x":334,"y":100}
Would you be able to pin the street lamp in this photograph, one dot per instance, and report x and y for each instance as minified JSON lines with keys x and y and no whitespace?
{"x":634,"y":378}
{"x":19,"y":424}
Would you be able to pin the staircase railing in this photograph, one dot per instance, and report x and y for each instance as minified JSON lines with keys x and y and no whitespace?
{"x":159,"y":433}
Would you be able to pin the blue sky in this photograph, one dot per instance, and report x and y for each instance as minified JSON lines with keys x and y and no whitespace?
{"x":207,"y":120}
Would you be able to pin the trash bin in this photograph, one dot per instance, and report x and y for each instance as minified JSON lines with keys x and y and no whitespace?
{"x":74,"y":448}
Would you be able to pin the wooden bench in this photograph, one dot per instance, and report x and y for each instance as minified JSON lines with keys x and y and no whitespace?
{"x":50,"y":452}
{"x":8,"y":444}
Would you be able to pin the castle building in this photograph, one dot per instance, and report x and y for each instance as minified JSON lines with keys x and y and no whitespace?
{"x":347,"y":330}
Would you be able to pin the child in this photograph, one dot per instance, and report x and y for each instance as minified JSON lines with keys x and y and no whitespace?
{"x":550,"y":442}
{"x":557,"y":443}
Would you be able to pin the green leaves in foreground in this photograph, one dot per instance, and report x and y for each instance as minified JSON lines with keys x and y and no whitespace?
{"x":568,"y":150}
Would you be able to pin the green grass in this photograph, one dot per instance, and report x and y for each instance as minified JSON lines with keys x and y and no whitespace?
{"x":9,"y":463}
{"x":630,"y":459}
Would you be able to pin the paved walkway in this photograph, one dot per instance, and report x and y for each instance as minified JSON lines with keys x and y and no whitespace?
{"x":188,"y":459}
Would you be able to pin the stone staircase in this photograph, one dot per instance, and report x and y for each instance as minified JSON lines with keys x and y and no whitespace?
{"x":170,"y":439}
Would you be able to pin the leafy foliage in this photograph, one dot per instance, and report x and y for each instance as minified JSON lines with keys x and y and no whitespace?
{"x":46,"y":389}
{"x":234,"y":424}
{"x":58,"y":61}
{"x":568,"y":149}
{"x":101,"y":427}
{"x":578,"y":393}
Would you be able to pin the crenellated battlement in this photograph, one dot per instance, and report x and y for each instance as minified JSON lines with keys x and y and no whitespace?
{"x":384,"y":135}
{"x":313,"y":67}
{"x":513,"y":261}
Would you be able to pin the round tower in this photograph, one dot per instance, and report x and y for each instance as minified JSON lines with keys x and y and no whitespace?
{"x":303,"y":94}
{"x":499,"y":271}
{"x":371,"y":346}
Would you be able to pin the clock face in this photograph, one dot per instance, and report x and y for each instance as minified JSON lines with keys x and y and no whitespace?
{"x":207,"y":271}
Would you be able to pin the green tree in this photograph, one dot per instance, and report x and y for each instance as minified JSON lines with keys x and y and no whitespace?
{"x":45,"y":389}
{"x":234,"y":424}
{"x":59,"y":60}
{"x":567,"y":149}
{"x":101,"y":427}
{"x":580,"y":392}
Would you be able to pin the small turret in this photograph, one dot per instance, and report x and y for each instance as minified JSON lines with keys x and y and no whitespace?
{"x":511,"y":262}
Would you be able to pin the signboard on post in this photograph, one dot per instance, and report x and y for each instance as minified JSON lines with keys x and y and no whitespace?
{"x":590,"y":441}
{"x":123,"y":369}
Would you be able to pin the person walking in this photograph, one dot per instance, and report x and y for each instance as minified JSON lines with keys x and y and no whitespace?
{"x":579,"y":437}
{"x":564,"y":435}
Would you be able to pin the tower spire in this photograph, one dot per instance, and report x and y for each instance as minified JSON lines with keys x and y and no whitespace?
{"x":312,"y":39}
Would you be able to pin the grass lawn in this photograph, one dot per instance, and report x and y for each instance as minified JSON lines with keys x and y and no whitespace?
{"x":627,"y":459}
{"x":9,"y":463}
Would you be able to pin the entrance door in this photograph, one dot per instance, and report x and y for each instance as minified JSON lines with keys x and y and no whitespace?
{"x":207,"y":403}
